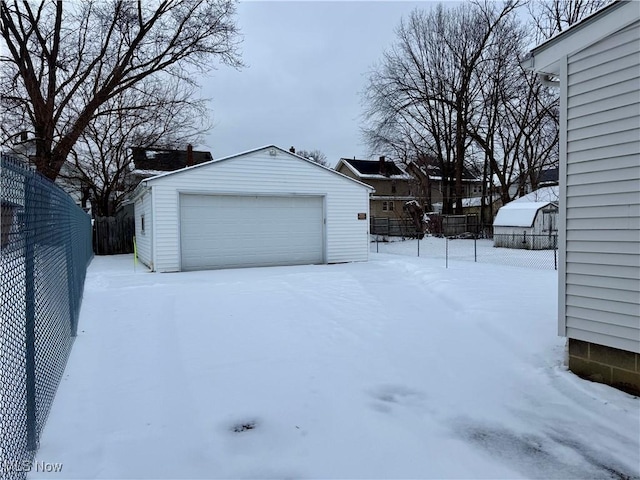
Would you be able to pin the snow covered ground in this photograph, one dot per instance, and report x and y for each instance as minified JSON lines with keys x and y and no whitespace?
{"x":395,"y":368}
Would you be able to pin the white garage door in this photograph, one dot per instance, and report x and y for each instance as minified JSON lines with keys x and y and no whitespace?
{"x":224,"y":231}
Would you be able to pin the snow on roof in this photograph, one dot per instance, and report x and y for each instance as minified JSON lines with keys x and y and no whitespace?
{"x":477,"y":201}
{"x":370,"y":169}
{"x":471,"y":202}
{"x":516,"y":214}
{"x":435,"y":173}
{"x":545,"y":194}
{"x":147,"y":173}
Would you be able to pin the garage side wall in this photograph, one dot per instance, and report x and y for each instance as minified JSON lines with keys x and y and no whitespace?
{"x":144,"y":236}
{"x":259,"y":173}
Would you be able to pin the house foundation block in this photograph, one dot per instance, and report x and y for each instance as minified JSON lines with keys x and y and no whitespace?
{"x":618,"y":368}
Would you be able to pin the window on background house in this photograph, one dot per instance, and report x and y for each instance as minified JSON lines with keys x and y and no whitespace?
{"x":387,"y":206}
{"x":393,"y":187}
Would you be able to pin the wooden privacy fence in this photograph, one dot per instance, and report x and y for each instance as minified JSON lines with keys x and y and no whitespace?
{"x":454,"y":225}
{"x":113,"y":235}
{"x":394,"y":227}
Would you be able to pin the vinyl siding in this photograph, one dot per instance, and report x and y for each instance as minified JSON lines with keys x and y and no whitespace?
{"x":259,"y":173}
{"x":602,"y":207}
{"x":144,"y":240}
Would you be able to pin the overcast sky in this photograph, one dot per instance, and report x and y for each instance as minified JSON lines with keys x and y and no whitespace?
{"x":307,"y":64}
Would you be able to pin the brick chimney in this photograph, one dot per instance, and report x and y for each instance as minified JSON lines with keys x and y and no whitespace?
{"x":382,"y":166}
{"x":189,"y":155}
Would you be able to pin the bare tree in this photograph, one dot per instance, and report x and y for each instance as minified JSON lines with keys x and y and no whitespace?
{"x":420,"y":101}
{"x":407,"y":113}
{"x":158,"y":113}
{"x":315,"y":155}
{"x":65,"y":60}
{"x":451,"y":92}
{"x":550,"y":17}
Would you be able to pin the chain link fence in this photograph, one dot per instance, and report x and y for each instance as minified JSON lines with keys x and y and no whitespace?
{"x":45,"y":247}
{"x":530,"y":251}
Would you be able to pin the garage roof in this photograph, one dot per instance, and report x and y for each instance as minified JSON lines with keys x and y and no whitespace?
{"x":266,"y":147}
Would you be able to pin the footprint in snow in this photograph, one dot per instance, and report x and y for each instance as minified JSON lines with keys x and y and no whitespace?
{"x":386,"y":396}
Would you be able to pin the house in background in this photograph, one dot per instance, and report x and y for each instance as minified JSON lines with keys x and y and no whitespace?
{"x":473,"y":206}
{"x":530,"y":222}
{"x":22,"y":147}
{"x":149,"y":162}
{"x":596,"y":64}
{"x":263,"y":207}
{"x":71,"y":180}
{"x":393,"y":186}
{"x":547,"y":177}
{"x":433,"y":188}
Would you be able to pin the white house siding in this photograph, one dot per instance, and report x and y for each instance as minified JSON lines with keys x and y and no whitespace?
{"x":144,"y":239}
{"x":602,"y":209}
{"x":262,"y":174}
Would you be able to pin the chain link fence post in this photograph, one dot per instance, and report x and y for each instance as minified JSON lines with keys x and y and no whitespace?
{"x":30,"y":209}
{"x":73,"y":310}
{"x":475,"y":248}
{"x":446,"y":253}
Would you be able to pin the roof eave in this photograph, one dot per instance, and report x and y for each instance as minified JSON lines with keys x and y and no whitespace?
{"x":353,"y":169}
{"x":236,"y":155}
{"x":546,"y":57}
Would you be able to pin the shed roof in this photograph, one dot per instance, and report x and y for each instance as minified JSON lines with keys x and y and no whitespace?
{"x":518,"y":214}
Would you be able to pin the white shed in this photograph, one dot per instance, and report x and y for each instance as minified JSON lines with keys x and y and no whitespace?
{"x":263,"y":207}
{"x":528,"y":225}
{"x":596,"y":64}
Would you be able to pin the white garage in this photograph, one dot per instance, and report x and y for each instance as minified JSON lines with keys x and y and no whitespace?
{"x":264,"y":207}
